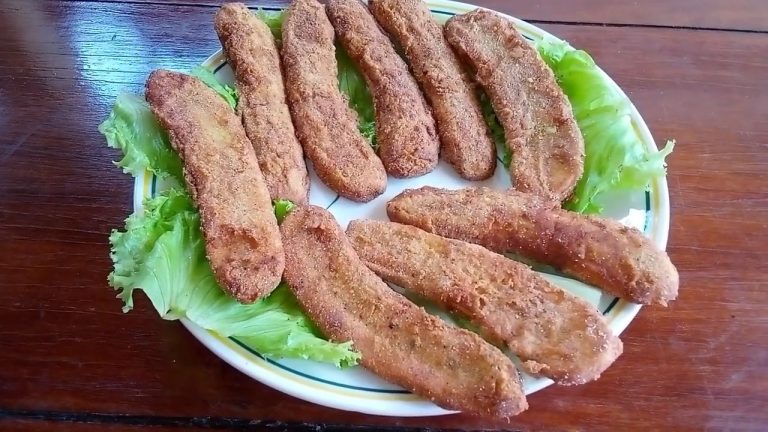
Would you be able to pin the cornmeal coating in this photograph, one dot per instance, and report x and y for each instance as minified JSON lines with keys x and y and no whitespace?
{"x":555,"y":334}
{"x":397,"y":339}
{"x":405,"y":129}
{"x":252,"y":53}
{"x":325,"y":124}
{"x":242,"y":240}
{"x":600,"y":252}
{"x":546,"y":143}
{"x":465,"y":141}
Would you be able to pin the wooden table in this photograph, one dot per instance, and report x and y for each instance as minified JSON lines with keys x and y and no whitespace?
{"x":71,"y":361}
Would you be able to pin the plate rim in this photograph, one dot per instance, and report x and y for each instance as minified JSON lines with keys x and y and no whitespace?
{"x":407,"y":404}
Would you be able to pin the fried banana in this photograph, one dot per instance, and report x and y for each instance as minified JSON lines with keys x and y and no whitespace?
{"x":326,"y":125}
{"x":251,"y":51}
{"x":555,"y":334}
{"x":398,"y":340}
{"x":464,"y":137}
{"x":405,"y":129}
{"x":222,"y":174}
{"x":598,"y":251}
{"x":546,"y":143}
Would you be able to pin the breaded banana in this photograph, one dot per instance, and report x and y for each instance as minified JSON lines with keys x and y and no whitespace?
{"x":405,"y":129}
{"x":251,"y":51}
{"x":464,"y":137}
{"x":398,"y":340}
{"x":326,"y":125}
{"x":242,"y":240}
{"x":598,"y":251}
{"x":555,"y":334}
{"x":546,"y":144}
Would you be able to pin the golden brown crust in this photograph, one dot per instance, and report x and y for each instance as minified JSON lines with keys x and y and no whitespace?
{"x":601,"y":252}
{"x":325,"y":124}
{"x":242,"y":240}
{"x":398,"y":340}
{"x":546,"y":144}
{"x":405,"y":129}
{"x":554,"y":333}
{"x":464,"y":136}
{"x":252,"y":54}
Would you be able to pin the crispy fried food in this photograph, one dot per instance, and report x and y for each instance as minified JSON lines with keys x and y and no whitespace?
{"x":242,"y":240}
{"x":546,"y":144}
{"x":601,"y":252}
{"x":326,"y":125}
{"x":398,"y":340}
{"x":463,"y":133}
{"x":554,"y":333}
{"x":253,"y":56}
{"x":405,"y":129}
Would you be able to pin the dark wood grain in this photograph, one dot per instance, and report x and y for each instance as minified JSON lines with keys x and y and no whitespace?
{"x":79,"y":421}
{"x":75,"y":426}
{"x":66,"y":347}
{"x":57,"y":426}
{"x":713,"y":14}
{"x":743,"y":15}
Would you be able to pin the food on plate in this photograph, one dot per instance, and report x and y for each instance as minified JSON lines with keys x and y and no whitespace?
{"x":546,"y":144}
{"x":325,"y":124}
{"x":616,"y":157}
{"x":251,"y":51}
{"x":242,"y":240}
{"x":161,"y":251}
{"x":213,"y":254}
{"x":226,"y":91}
{"x":397,"y":339}
{"x":463,"y":133}
{"x":405,"y":129}
{"x":555,"y":334}
{"x":598,"y":251}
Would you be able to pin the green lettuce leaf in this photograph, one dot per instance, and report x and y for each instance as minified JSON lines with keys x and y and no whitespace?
{"x":162,"y":253}
{"x":282,"y":208}
{"x":368,"y":131}
{"x":616,"y":157}
{"x":132,"y":128}
{"x":497,"y":131}
{"x":353,"y":85}
{"x":227,"y":92}
{"x":273,"y":20}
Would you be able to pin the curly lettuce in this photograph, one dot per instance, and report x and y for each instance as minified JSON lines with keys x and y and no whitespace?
{"x":353,"y":85}
{"x":161,"y":252}
{"x":273,"y":20}
{"x":133,"y":129}
{"x":616,"y":158}
{"x":497,"y":131}
{"x":228,"y":93}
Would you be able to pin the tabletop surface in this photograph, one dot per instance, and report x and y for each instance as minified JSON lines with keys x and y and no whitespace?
{"x":70,"y":360}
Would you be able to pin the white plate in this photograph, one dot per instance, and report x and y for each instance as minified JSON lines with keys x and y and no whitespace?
{"x":356,"y":389}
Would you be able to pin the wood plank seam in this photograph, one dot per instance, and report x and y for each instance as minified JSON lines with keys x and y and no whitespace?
{"x":532,"y":21}
{"x":203,"y":422}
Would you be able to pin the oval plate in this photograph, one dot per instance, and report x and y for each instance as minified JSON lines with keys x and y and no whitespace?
{"x":356,"y":389}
